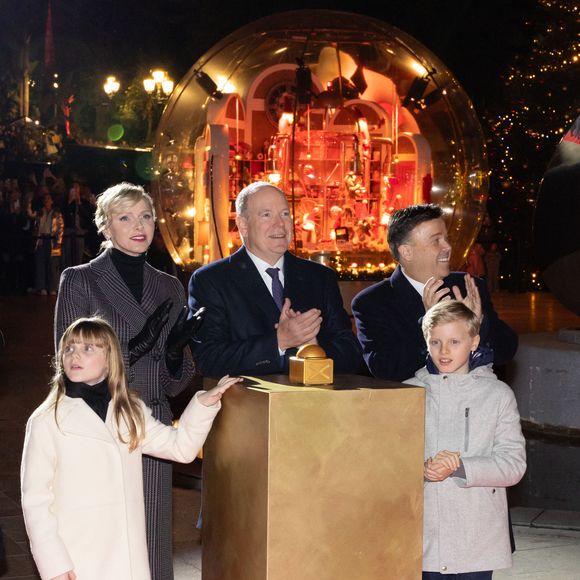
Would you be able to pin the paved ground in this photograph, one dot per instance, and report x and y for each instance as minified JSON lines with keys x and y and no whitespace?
{"x":548,"y":541}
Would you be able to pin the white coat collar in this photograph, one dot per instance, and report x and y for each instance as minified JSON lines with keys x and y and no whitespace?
{"x":75,"y":417}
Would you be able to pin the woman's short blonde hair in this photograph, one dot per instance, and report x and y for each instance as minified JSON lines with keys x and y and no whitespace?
{"x":450,"y":311}
{"x":115,"y":199}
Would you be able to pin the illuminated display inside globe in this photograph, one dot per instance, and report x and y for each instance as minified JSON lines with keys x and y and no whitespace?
{"x":350,"y":116}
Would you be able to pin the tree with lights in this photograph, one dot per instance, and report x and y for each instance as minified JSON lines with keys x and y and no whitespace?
{"x":541,"y":99}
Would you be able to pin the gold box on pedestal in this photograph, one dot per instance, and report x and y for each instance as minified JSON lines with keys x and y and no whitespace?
{"x":302,"y":483}
{"x":311,"y":367}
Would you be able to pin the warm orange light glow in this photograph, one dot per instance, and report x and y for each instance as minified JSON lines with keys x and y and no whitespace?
{"x":158,"y":76}
{"x":419,"y":68}
{"x":225,"y":86}
{"x":167,"y":86}
{"x":149,"y":85}
{"x":112,"y":86}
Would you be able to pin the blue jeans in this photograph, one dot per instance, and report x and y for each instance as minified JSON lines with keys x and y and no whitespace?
{"x":465,"y":576}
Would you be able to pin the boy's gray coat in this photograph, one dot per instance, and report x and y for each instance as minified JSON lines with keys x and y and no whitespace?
{"x":97,"y":288}
{"x":466,"y":520}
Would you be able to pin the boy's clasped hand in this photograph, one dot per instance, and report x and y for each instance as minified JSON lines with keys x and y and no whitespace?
{"x":444,"y":464}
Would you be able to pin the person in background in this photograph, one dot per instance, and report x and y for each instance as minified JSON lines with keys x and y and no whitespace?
{"x":77,"y":214}
{"x":92,"y":241}
{"x":146,"y":308}
{"x":492,"y":261}
{"x":474,"y":449}
{"x":48,"y":247}
{"x":475,"y":260}
{"x":15,"y":243}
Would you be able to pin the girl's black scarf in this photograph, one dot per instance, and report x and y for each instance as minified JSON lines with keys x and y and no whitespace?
{"x":97,"y":396}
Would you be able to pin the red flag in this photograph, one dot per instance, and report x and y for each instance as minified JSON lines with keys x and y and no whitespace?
{"x":49,"y":41}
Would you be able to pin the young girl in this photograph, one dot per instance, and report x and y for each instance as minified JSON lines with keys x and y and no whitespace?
{"x":82,"y":485}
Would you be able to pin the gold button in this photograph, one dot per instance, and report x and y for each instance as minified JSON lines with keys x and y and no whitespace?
{"x":444,"y":568}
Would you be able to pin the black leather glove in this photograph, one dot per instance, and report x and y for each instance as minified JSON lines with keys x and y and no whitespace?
{"x":147,"y":337}
{"x":180,"y":335}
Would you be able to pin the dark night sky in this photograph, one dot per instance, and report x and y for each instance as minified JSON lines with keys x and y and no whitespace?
{"x":475,"y":39}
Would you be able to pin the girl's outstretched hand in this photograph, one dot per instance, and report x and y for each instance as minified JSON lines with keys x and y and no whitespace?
{"x":212,"y":396}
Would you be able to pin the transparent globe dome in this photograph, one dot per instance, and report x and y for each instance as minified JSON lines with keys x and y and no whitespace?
{"x":350,"y":116}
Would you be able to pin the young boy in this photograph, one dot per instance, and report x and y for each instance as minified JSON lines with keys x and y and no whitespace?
{"x":474,"y":449}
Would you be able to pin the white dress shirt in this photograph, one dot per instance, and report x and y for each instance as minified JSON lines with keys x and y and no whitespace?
{"x":419,"y":286}
{"x":261,"y":265}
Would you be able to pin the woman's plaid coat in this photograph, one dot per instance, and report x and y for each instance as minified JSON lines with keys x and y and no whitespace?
{"x":97,"y":288}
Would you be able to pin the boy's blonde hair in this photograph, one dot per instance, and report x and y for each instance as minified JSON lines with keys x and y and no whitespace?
{"x":126,"y":404}
{"x":450,"y":311}
{"x":116,"y":199}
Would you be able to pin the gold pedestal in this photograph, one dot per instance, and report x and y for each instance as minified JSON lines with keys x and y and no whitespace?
{"x":303,"y":483}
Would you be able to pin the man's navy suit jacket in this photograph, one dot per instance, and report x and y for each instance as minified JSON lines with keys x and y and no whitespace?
{"x":238,"y":334}
{"x":388,"y":318}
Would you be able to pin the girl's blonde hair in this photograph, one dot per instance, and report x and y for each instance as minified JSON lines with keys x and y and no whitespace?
{"x":126,"y":404}
{"x":116,"y":199}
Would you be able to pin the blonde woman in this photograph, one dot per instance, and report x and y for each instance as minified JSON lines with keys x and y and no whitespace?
{"x":82,"y":492}
{"x":146,"y":309}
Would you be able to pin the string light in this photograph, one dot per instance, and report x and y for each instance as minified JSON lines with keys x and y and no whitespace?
{"x":542,"y":90}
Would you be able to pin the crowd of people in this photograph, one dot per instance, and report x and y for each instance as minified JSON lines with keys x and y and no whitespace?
{"x":247,"y":314}
{"x":46,"y":226}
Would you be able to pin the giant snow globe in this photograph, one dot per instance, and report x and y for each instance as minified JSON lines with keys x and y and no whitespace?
{"x":350,"y":116}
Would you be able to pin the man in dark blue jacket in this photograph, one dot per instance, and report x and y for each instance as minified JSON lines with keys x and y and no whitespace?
{"x":262,"y":302}
{"x":388,"y":314}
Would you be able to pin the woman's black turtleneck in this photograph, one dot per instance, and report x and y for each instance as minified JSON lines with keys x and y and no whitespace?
{"x":97,"y":397}
{"x":130,"y":269}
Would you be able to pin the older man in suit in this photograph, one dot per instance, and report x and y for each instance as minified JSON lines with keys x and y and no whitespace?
{"x":262,"y":302}
{"x":388,"y":314}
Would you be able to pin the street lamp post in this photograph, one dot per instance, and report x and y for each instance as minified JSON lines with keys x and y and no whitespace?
{"x":55,"y":87}
{"x":159,"y":86}
{"x":111,"y":88}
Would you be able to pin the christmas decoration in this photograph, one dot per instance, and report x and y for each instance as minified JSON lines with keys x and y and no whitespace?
{"x":540,"y":101}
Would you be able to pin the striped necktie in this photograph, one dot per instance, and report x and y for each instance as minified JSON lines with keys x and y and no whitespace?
{"x":277,"y":288}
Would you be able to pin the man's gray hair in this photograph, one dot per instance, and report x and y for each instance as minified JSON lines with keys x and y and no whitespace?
{"x":244,"y":195}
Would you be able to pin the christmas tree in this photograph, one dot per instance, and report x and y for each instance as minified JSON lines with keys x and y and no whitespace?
{"x":541,"y":99}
